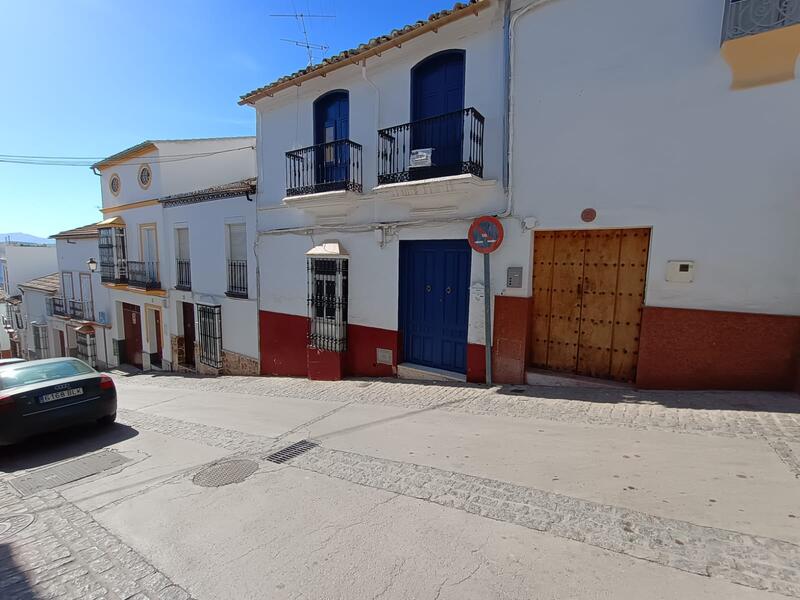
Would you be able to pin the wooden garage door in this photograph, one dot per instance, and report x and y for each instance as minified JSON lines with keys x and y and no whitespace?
{"x":588,"y":292}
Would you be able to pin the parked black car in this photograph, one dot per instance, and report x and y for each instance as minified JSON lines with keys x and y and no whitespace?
{"x":44,"y":395}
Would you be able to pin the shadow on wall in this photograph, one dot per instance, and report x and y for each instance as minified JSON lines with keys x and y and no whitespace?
{"x":61,"y":445}
{"x":14,"y":581}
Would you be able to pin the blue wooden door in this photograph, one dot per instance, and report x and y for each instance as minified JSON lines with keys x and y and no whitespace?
{"x":332,"y":124}
{"x":434,"y":303}
{"x":437,"y":100}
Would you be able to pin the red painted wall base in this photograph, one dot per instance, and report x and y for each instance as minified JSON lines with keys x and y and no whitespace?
{"x":510,"y":332}
{"x":706,"y":349}
{"x":324,"y":365}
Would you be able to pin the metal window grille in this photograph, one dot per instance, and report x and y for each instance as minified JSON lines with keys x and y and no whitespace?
{"x":87,"y":348}
{"x":327,"y":303}
{"x":749,"y":17}
{"x":237,"y":278}
{"x":40,"y":341}
{"x":210,"y":339}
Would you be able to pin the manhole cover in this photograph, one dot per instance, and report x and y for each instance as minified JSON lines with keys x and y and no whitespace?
{"x":226,"y":473}
{"x":67,"y":472}
{"x":13,"y":524}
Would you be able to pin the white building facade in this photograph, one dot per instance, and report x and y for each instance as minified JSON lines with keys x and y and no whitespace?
{"x":643,"y":176}
{"x":136,"y":247}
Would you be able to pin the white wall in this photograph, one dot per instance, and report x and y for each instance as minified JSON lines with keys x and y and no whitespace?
{"x":29,"y":262}
{"x":34,"y":309}
{"x":206,"y":222}
{"x":173,"y":173}
{"x":625,"y":107}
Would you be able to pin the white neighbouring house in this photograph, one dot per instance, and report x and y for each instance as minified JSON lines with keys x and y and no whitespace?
{"x":137,"y":257}
{"x":641,"y":157}
{"x":19,"y":263}
{"x":36,"y":337}
{"x":79,"y":315}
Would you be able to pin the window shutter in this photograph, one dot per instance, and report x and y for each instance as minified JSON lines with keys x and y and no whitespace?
{"x":182,"y":236}
{"x":237,"y":241}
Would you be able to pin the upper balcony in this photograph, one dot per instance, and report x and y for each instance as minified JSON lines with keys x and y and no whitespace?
{"x":750,"y":17}
{"x":143,"y":274}
{"x":449,"y":144}
{"x":328,"y":167}
{"x":59,"y":306}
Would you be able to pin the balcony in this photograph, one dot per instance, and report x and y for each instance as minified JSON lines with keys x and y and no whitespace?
{"x":455,"y":141}
{"x":81,"y":309}
{"x":328,"y":167}
{"x":114,"y":271}
{"x":143,"y":274}
{"x":237,"y":278}
{"x":183,"y":270}
{"x":749,"y":17}
{"x":57,"y":306}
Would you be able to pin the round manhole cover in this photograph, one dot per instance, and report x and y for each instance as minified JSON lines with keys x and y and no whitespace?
{"x":226,"y":473}
{"x":13,"y":524}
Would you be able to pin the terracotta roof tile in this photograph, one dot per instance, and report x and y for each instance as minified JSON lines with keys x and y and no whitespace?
{"x":348,"y":56}
{"x":48,"y":283}
{"x":227,"y":190}
{"x":86,"y":231}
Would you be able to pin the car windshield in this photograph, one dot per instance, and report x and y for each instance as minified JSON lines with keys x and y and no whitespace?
{"x":21,"y":374}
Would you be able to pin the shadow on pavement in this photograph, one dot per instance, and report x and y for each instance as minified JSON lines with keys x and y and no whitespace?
{"x":56,"y":446}
{"x":14,"y":583}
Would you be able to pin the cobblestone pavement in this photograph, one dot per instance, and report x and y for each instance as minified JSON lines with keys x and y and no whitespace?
{"x":773,"y":415}
{"x":49,"y":548}
{"x":754,"y":561}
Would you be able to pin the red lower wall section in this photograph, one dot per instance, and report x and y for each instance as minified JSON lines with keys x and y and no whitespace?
{"x":283,"y":344}
{"x":510,"y":333}
{"x":324,"y":365}
{"x":705,"y":349}
{"x":285,"y":352}
{"x":476,"y":363}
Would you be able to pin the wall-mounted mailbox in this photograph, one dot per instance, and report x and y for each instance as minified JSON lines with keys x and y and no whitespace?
{"x":680,"y":271}
{"x":514,"y":277}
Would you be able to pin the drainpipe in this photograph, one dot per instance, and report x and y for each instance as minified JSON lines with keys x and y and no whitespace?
{"x":377,"y":123}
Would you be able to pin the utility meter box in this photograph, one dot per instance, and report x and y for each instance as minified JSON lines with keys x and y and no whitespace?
{"x":514,"y":277}
{"x":680,"y":271}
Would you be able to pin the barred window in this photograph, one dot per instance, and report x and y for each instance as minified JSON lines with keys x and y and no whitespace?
{"x":327,"y":303}
{"x":209,"y":320}
{"x":87,"y":348}
{"x":40,"y":340}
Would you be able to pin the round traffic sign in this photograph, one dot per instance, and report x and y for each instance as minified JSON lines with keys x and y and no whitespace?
{"x":485,"y":234}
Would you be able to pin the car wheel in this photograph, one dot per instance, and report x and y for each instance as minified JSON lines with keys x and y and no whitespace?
{"x":108,"y":420}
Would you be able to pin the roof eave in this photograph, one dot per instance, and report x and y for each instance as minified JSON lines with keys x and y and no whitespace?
{"x":394,"y":42}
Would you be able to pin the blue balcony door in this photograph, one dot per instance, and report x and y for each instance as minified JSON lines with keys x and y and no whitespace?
{"x":434,"y":303}
{"x":437,"y":88}
{"x":331,"y":124}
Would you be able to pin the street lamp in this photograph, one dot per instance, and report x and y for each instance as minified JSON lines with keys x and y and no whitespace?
{"x":92,"y":264}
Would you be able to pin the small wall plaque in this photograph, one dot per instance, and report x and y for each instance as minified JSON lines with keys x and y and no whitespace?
{"x":514,"y":277}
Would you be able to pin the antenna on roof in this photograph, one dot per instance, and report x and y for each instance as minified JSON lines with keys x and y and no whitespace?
{"x":301,"y":21}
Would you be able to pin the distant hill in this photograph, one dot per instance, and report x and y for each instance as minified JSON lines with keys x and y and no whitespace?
{"x":23,"y":238}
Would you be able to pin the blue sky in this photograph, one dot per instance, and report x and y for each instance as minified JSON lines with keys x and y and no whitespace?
{"x":92,"y":77}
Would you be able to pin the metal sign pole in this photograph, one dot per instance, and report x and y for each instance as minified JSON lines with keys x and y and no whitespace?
{"x":487,"y":306}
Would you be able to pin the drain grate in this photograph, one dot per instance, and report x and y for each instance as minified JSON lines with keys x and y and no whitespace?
{"x":301,"y":447}
{"x":67,"y":472}
{"x":13,"y":524}
{"x":225,"y":473}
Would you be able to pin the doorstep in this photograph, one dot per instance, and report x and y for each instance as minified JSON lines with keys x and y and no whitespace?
{"x":556,"y":379}
{"x":423,"y":373}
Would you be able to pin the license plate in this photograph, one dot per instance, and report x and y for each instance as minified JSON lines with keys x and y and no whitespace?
{"x":61,"y":395}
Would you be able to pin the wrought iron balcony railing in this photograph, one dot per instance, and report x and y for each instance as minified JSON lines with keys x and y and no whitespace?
{"x":749,"y":17}
{"x":183,"y":269}
{"x":81,"y":309}
{"x":324,"y":168}
{"x":237,"y":278}
{"x":143,"y":274}
{"x":455,"y":140}
{"x":57,"y":306}
{"x":114,"y":271}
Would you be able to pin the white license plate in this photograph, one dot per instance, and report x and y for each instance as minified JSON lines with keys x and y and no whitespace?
{"x":61,"y":395}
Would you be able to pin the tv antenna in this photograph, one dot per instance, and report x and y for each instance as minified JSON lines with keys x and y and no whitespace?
{"x":305,"y":43}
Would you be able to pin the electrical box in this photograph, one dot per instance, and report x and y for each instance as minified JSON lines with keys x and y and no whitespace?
{"x":680,"y":271}
{"x":421,"y":157}
{"x":514,"y":277}
{"x":383,"y":356}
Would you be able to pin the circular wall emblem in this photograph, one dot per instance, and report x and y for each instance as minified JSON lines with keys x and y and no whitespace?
{"x":115,"y":184}
{"x":145,"y":176}
{"x":485,"y":234}
{"x":588,"y":215}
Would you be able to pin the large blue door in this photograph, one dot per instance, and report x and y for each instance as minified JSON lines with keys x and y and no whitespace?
{"x":437,"y":99}
{"x":332,"y":124}
{"x":434,"y":303}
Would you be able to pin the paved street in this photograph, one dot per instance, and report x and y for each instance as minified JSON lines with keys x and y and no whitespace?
{"x":409,"y":490}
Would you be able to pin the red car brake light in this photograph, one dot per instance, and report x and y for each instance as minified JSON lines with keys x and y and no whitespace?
{"x":6,"y":401}
{"x":106,"y":383}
